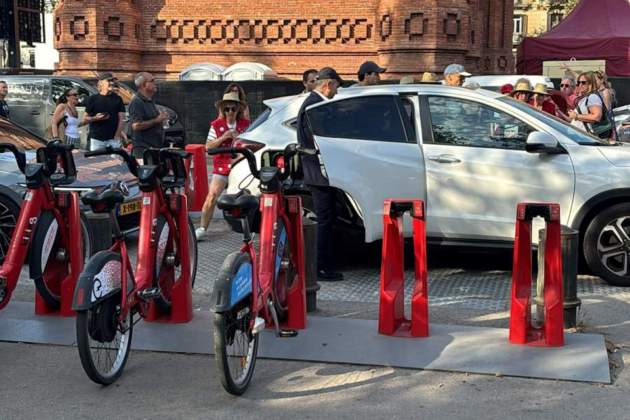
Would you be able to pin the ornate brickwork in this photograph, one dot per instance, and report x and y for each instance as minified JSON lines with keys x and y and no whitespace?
{"x":79,"y":27}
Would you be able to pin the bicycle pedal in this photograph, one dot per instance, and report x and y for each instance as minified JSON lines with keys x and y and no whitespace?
{"x":149,"y":293}
{"x":287,"y":333}
{"x":259,"y":325}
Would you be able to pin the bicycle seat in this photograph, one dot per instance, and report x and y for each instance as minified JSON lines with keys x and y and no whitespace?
{"x":103,"y":202}
{"x":243,"y":202}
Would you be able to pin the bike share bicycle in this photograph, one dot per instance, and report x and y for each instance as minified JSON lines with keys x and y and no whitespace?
{"x":160,"y":288}
{"x":265,"y":290}
{"x":51,"y":230}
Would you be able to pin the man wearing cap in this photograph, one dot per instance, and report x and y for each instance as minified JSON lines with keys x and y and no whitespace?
{"x":105,"y":113}
{"x":324,"y":196}
{"x":454,"y":75}
{"x":145,"y":120}
{"x":369,"y":74}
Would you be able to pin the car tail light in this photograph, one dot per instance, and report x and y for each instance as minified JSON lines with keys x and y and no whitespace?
{"x":254,"y":146}
{"x":280,"y":162}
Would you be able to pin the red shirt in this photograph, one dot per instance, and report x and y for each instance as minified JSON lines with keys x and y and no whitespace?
{"x":221,"y":164}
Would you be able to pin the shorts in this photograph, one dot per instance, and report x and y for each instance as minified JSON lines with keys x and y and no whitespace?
{"x":101,"y":144}
{"x":74,"y":142}
{"x":225,"y":178}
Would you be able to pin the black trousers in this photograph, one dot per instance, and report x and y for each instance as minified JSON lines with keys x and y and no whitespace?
{"x":326,"y":211}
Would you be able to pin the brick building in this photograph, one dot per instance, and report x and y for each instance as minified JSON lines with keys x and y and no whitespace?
{"x":165,"y":36}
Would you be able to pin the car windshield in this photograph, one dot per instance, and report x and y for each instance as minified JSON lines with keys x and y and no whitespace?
{"x":571,"y":132}
{"x":14,"y":134}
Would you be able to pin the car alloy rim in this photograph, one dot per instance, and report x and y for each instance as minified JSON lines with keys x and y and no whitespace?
{"x":7,"y":225}
{"x":613,"y":246}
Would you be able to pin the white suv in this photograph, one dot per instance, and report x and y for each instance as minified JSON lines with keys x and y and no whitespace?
{"x":470,"y":155}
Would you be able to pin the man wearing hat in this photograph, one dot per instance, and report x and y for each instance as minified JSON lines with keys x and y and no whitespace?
{"x":223,"y":131}
{"x":522,"y":90}
{"x":145,"y":120}
{"x":105,"y":113}
{"x":454,"y":75}
{"x":369,"y":74}
{"x":324,"y":196}
{"x":541,"y":100}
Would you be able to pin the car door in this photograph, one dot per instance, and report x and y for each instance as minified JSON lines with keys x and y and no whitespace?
{"x":478,"y":170}
{"x":26,"y":100}
{"x":368,"y":149}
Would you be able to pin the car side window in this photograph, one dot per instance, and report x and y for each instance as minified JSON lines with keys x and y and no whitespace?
{"x":376,"y":118}
{"x":59,"y":86}
{"x":466,"y":123}
{"x":26,"y":90}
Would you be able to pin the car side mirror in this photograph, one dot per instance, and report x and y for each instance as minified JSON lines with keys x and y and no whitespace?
{"x":539,"y":142}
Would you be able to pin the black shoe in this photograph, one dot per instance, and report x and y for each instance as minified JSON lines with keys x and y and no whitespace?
{"x":325,"y":275}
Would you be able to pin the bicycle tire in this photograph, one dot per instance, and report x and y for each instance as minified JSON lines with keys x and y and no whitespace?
{"x":229,"y":329}
{"x":98,"y":327}
{"x":284,"y":274}
{"x":163,"y":301}
{"x":46,"y":271}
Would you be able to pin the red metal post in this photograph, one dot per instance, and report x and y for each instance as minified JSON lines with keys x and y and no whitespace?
{"x":296,"y":295}
{"x":197,"y":185}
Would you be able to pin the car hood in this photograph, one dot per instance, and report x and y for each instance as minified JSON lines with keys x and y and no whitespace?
{"x":617,"y":155}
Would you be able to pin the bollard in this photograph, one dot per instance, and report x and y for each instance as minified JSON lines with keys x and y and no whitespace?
{"x":569,"y":239}
{"x":522,"y":331}
{"x":310,"y":262}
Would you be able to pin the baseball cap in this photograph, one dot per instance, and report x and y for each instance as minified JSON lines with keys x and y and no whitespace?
{"x":106,"y":76}
{"x":329,"y":73}
{"x":456,"y":69}
{"x":370,"y":67}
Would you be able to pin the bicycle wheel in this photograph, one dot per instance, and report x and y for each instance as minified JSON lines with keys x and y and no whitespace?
{"x":49,"y":257}
{"x":103,"y":339}
{"x":168,"y":270}
{"x":235,"y":345}
{"x":285,"y":272}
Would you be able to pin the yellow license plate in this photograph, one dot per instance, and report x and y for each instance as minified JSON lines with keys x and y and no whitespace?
{"x":128,"y":208}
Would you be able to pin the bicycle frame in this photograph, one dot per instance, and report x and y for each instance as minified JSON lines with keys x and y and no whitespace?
{"x":36,"y":201}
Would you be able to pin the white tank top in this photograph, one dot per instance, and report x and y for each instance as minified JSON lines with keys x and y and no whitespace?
{"x":72,"y":127}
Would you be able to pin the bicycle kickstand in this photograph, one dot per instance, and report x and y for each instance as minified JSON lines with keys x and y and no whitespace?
{"x":279,"y":332}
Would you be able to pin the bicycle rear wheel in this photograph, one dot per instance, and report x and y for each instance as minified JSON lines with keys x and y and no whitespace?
{"x":103,"y":340}
{"x":235,"y":344}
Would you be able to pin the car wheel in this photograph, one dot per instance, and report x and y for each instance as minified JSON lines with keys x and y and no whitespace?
{"x":9,"y":213}
{"x":607,"y":245}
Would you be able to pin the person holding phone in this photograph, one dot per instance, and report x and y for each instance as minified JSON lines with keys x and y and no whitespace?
{"x":105,"y":113}
{"x":223,"y":131}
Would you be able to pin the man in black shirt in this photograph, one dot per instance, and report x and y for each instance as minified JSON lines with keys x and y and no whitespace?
{"x":324,"y":196}
{"x":105,"y":112}
{"x":146,"y":122}
{"x":4,"y":108}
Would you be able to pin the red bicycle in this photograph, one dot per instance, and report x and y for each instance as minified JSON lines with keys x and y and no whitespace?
{"x":48,"y":224}
{"x":166,"y":264}
{"x":253,"y":292}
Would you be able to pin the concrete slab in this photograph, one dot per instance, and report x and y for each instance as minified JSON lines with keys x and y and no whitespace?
{"x":353,"y":341}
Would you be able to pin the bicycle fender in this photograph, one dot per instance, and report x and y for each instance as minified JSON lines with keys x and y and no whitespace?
{"x":99,"y":280}
{"x":234,"y":283}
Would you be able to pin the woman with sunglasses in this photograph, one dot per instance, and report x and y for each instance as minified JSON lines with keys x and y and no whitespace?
{"x":66,"y":113}
{"x":223,"y":131}
{"x":589,"y":109}
{"x":235,"y":87}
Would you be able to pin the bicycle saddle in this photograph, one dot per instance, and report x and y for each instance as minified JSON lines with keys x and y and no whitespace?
{"x":103,"y":202}
{"x":243,"y":202}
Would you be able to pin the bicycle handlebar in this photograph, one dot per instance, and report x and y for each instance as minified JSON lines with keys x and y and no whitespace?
{"x":20,"y":157}
{"x":131,"y":162}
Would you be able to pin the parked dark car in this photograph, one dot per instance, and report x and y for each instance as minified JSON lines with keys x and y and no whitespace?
{"x":32,"y":100}
{"x":92,"y":175}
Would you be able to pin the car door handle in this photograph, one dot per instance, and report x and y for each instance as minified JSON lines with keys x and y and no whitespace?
{"x":444,"y":159}
{"x":35,"y":112}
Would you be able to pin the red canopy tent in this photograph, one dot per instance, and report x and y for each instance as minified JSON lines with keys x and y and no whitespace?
{"x":594,"y":30}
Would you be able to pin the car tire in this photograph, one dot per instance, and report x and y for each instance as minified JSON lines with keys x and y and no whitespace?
{"x":10,"y":204}
{"x":606,"y":245}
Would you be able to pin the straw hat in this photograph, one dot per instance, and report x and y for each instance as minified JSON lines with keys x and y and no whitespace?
{"x":406,"y":80}
{"x":428,"y":77}
{"x":228,"y":97}
{"x":541,"y":89}
{"x":522,"y":85}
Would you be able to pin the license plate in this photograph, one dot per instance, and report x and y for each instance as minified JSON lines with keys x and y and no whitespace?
{"x":128,"y":208}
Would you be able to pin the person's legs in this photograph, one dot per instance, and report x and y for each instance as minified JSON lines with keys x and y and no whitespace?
{"x":96,"y":144}
{"x":217,"y":186}
{"x":324,"y":200}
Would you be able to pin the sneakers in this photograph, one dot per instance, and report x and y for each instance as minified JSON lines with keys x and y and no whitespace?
{"x":201,"y":234}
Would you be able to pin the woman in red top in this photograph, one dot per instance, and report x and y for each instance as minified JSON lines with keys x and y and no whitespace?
{"x":541,"y":100}
{"x":223,"y":131}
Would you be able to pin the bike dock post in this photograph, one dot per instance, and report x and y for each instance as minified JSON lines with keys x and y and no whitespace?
{"x":522,"y":331}
{"x":392,"y":319}
{"x":75,"y":254}
{"x":297,"y":292}
{"x":197,"y":185}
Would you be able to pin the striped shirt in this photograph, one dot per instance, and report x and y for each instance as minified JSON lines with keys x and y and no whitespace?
{"x":212,"y":134}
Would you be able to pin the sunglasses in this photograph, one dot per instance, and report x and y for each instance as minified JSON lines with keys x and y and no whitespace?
{"x":565,"y":86}
{"x":582,"y":82}
{"x":72,"y":94}
{"x":230,"y":109}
